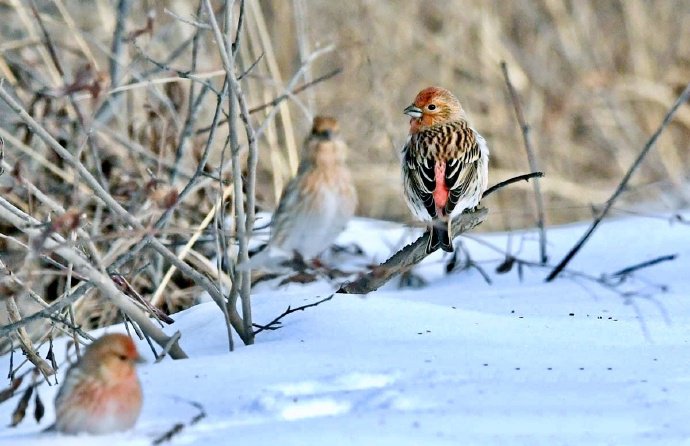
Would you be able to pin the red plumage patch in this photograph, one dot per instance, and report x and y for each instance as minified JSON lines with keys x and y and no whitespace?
{"x":441,"y":190}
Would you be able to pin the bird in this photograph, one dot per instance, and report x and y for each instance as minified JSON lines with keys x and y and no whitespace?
{"x":101,"y":392}
{"x":444,"y":164}
{"x":317,"y":203}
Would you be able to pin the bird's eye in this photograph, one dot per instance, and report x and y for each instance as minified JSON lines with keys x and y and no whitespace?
{"x":122,"y":357}
{"x":431,"y":107}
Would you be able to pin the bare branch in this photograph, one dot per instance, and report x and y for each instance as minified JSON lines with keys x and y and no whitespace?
{"x":415,"y":252}
{"x":227,"y":56}
{"x":193,"y":106}
{"x":531,"y":158}
{"x":622,"y":185}
{"x":25,"y":341}
{"x":189,"y":21}
{"x":116,"y":49}
{"x":502,"y":184}
{"x":30,"y":226}
{"x":275,"y":323}
{"x":297,"y":90}
{"x":112,"y":204}
{"x":408,"y":256}
{"x":178,"y":427}
{"x":284,"y":96}
{"x":647,"y":264}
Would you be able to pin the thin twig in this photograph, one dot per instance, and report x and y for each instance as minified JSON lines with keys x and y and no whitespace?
{"x":182,"y":74}
{"x":29,"y":225}
{"x":250,"y":194}
{"x":25,"y":341}
{"x":178,"y":427}
{"x":116,"y":48}
{"x":47,"y":312}
{"x":273,"y":324}
{"x":531,"y":158}
{"x":166,"y":348}
{"x":101,"y":193}
{"x":227,"y":56}
{"x":648,"y":263}
{"x":48,"y":42}
{"x":2,"y":155}
{"x":300,"y":15}
{"x":195,"y":23}
{"x":525,"y":177}
{"x":622,"y":185}
{"x":42,"y":314}
{"x":297,"y":90}
{"x":284,"y":96}
{"x":193,"y":104}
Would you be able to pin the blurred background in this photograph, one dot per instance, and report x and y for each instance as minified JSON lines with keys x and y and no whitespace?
{"x":594,"y":77}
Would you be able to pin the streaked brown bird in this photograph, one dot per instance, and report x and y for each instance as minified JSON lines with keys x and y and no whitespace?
{"x":444,"y":163}
{"x":317,"y":203}
{"x":101,"y":392}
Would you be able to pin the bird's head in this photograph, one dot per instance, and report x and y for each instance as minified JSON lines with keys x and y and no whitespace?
{"x":432,"y":106}
{"x":112,"y":355}
{"x":324,"y":146}
{"x":325,"y":127}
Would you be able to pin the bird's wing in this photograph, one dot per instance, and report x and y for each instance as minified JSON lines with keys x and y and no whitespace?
{"x":462,"y":168}
{"x":291,"y":198}
{"x":418,"y":174}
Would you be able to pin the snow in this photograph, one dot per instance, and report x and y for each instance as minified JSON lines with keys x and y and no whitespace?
{"x":458,"y":361}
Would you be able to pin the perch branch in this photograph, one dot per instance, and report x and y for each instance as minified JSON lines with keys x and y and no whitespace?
{"x":409,"y":256}
{"x":415,"y":252}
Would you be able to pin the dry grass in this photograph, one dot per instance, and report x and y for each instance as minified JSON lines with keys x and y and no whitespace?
{"x":595,"y":78}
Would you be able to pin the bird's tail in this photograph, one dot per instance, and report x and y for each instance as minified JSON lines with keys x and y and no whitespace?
{"x":439,"y":237}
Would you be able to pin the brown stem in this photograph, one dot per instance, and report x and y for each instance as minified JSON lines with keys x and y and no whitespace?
{"x":531,"y":159}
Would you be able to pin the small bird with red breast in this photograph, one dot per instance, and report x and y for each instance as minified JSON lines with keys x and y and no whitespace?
{"x":317,"y":203}
{"x":444,"y":163}
{"x":101,"y":392}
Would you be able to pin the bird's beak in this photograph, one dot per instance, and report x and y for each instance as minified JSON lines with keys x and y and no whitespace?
{"x":140,"y":360}
{"x":413,"y":111}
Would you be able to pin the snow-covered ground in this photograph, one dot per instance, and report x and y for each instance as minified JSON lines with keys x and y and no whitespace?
{"x":458,"y":361}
